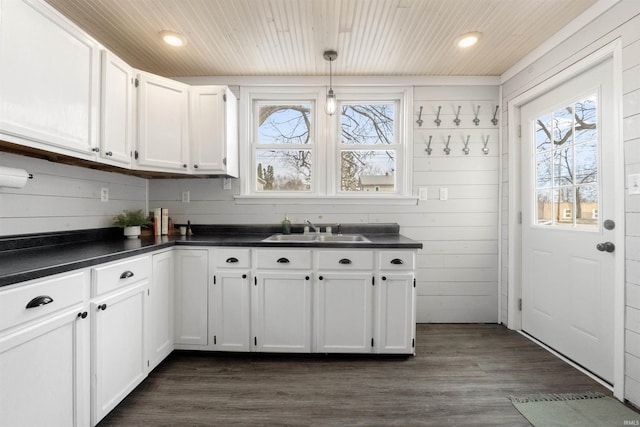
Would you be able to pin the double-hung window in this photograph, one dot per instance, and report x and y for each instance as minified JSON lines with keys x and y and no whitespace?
{"x":294,"y":149}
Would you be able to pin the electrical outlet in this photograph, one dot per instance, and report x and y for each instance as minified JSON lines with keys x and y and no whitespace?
{"x":444,"y":193}
{"x":422,"y":193}
{"x":226,"y":183}
{"x":186,"y":196}
{"x":104,"y":194}
{"x":634,"y":183}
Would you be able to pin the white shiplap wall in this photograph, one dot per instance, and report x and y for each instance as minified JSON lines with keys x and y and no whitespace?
{"x":457,"y":269}
{"x":620,"y":22}
{"x":62,"y":197}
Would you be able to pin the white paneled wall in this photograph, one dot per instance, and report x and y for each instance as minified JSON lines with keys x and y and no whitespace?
{"x":62,"y":197}
{"x":621,"y":22}
{"x":457,"y":272}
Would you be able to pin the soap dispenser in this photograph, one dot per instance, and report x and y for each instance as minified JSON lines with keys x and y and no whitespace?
{"x":286,"y":225}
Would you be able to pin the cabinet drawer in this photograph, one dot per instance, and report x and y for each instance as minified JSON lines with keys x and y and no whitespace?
{"x":290,"y":259}
{"x":397,"y":260}
{"x":112,"y":276}
{"x":345,"y":260}
{"x":46,"y":296}
{"x":232,"y":258}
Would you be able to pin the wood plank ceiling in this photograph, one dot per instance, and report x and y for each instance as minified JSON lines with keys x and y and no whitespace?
{"x":288,"y":37}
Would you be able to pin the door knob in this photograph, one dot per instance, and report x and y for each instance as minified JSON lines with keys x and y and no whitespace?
{"x":606,"y":247}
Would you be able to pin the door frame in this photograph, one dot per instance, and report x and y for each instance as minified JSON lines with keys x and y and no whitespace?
{"x":613,"y":51}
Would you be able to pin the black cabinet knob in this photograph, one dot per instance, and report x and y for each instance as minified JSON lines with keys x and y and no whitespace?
{"x":83,"y":315}
{"x":102,"y":307}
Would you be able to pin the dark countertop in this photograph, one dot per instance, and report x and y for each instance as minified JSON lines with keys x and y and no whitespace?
{"x":28,"y":257}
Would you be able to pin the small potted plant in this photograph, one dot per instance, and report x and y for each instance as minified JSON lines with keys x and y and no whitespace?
{"x":132,"y":222}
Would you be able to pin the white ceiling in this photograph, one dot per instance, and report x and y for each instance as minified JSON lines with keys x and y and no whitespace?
{"x":288,"y":37}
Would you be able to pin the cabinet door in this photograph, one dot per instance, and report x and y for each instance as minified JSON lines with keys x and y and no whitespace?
{"x":51,"y":387}
{"x":230,"y":311}
{"x":163,"y":124}
{"x":159,"y":327}
{"x":345,"y":312}
{"x":282,"y":321}
{"x":49,"y":79}
{"x":208,"y":142}
{"x":396,"y":314}
{"x":116,"y":114}
{"x":191,"y":298}
{"x":118,"y":355}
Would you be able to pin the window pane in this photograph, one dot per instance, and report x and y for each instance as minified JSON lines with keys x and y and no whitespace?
{"x":587,"y":205}
{"x":284,"y":124}
{"x":368,"y":124}
{"x":543,"y":133}
{"x":563,"y":166}
{"x":586,"y":162}
{"x":563,"y":205}
{"x":283,"y":170}
{"x":544,"y":208}
{"x":586,"y":119}
{"x":562,"y":127}
{"x":543,"y":170}
{"x":367,"y":171}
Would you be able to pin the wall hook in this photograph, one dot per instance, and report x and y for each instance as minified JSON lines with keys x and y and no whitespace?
{"x":476,"y":120}
{"x":457,"y":119}
{"x":428,"y":149}
{"x":419,"y":121}
{"x":485,"y":149}
{"x":465,"y":150}
{"x":437,"y":121}
{"x":495,"y":116}
{"x":447,"y":150}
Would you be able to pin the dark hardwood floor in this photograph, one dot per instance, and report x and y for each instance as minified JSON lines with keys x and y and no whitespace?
{"x":461,"y":375}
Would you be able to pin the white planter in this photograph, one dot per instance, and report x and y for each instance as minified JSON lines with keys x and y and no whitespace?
{"x":132,"y":232}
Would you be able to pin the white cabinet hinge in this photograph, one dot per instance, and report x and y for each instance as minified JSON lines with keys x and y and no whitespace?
{"x":520,"y":304}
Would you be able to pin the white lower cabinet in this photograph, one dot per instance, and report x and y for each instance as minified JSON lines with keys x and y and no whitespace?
{"x":191,"y":299}
{"x":159,"y":326}
{"x":119,"y":360}
{"x":44,"y":352}
{"x":230,"y":300}
{"x":281,"y":301}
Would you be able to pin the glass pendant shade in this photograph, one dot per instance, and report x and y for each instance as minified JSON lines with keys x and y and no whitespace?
{"x":330,"y":105}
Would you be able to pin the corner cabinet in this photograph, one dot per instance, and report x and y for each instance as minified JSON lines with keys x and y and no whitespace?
{"x":214,"y":131}
{"x":162,"y":124}
{"x":191,"y":299}
{"x":49,"y":80}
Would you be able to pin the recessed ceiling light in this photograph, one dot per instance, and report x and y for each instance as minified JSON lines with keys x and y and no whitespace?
{"x":468,"y":40}
{"x":172,"y":38}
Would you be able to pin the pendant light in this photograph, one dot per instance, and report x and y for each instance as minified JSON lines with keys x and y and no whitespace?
{"x":331,"y":105}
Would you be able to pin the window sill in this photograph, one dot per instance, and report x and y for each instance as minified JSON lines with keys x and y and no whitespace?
{"x":325,"y":200}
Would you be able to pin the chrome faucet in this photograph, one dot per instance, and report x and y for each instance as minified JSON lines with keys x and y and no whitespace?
{"x":311,"y":226}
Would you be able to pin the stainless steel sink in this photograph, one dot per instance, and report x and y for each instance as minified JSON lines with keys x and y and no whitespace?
{"x":291,"y":238}
{"x":350,"y":238}
{"x":312,"y":238}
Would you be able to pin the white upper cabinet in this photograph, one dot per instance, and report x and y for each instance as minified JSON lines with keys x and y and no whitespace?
{"x":162,"y":124}
{"x":49,"y":80}
{"x":116,"y":132}
{"x":214,"y":131}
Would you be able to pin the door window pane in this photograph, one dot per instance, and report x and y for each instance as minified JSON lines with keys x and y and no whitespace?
{"x":566,"y":173}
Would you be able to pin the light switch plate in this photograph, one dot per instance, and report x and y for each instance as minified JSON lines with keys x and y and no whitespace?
{"x":186,"y":196}
{"x":634,"y":183}
{"x":444,"y":193}
{"x":226,"y":183}
{"x":104,"y":194}
{"x":422,"y":193}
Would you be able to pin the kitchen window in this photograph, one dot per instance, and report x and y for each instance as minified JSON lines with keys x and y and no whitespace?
{"x":295,"y":150}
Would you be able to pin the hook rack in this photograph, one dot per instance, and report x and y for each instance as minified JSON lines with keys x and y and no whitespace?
{"x":476,"y":120}
{"x":428,"y":149}
{"x":485,"y":149}
{"x":465,"y":150}
{"x":495,"y":118}
{"x":447,"y":150}
{"x":419,"y":121}
{"x":437,"y":121}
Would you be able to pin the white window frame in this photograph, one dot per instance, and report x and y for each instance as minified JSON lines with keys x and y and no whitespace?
{"x":326,"y":130}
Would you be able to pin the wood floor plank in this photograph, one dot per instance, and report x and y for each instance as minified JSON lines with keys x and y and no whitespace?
{"x":461,"y":375}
